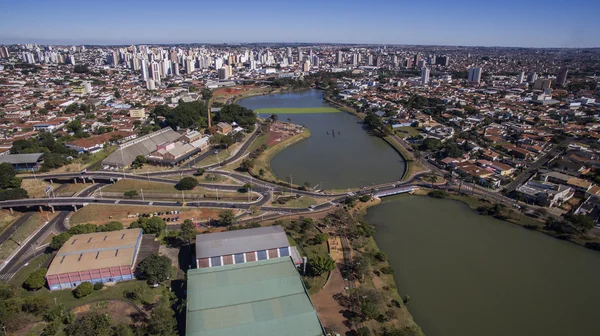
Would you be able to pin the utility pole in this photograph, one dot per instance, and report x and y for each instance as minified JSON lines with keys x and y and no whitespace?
{"x":291,"y":182}
{"x":142,"y":190}
{"x":33,"y":171}
{"x":183,"y":196}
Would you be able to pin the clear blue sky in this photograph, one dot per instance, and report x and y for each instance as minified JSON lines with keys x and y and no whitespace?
{"x":527,"y":23}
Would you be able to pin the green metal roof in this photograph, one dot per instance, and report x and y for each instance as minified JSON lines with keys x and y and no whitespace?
{"x":265,"y":297}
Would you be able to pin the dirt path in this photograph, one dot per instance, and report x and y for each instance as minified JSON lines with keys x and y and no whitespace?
{"x":329,"y":310}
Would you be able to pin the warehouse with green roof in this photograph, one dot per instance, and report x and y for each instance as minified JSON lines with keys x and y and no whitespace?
{"x":266,"y":297}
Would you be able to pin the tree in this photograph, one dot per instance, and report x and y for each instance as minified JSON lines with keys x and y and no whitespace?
{"x":58,"y":241}
{"x":364,"y":331}
{"x":36,"y":279}
{"x":8,"y":179}
{"x":139,"y":161}
{"x":186,"y":183}
{"x":431,"y":178}
{"x":319,"y":265}
{"x":320,"y":238}
{"x":113,"y":226}
{"x":274,"y":117}
{"x":247,"y":164}
{"x":188,"y":231}
{"x":91,"y":324}
{"x":54,"y":160}
{"x":130,"y":193}
{"x":431,"y":144}
{"x":155,"y":225}
{"x":361,"y":267}
{"x":155,"y":268}
{"x":98,"y":286}
{"x":380,"y":256}
{"x":162,"y":319}
{"x":226,"y":218}
{"x":117,"y":94}
{"x":84,"y":289}
{"x":200,"y":171}
{"x":246,"y":187}
{"x":75,"y":126}
{"x":369,"y":310}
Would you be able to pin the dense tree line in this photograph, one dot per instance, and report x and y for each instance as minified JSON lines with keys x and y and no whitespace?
{"x":184,"y":115}
{"x":246,"y":118}
{"x":10,"y":184}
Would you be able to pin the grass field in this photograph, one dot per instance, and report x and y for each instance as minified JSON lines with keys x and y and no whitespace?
{"x":296,"y":110}
{"x":35,"y":188}
{"x":21,"y":233}
{"x":302,"y":202}
{"x":24,"y":272}
{"x":310,"y":251}
{"x":259,"y":141}
{"x":6,"y":218}
{"x":101,"y":214}
{"x":407,"y":131}
{"x":151,"y":188}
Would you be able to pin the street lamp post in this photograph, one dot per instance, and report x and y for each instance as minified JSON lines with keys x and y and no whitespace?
{"x":142,"y":190}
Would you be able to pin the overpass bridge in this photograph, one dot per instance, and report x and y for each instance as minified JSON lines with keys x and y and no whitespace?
{"x":395,"y":191}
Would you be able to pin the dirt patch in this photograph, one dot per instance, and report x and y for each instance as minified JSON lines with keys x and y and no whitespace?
{"x":101,"y":214}
{"x":328,"y":309}
{"x":119,"y":311}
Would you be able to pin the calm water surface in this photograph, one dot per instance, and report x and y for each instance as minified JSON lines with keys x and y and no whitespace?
{"x":351,"y":158}
{"x":470,"y":275}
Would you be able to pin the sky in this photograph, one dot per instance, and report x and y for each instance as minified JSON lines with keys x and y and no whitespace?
{"x":518,"y":23}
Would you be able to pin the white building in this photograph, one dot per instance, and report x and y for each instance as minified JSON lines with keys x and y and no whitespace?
{"x":425,"y":75}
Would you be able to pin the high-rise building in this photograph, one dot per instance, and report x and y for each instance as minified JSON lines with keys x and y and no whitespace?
{"x":561,"y":79}
{"x":521,"y":77}
{"x":395,"y":60}
{"x":306,"y":66}
{"x":370,"y":59}
{"x":144,"y":69}
{"x":532,"y":77}
{"x":474,"y":75}
{"x":175,"y":68}
{"x":114,"y":58}
{"x":150,"y":85}
{"x":354,"y":59}
{"x":443,"y":60}
{"x":425,"y":75}
{"x":190,"y":64}
{"x":300,"y":56}
{"x":542,"y":84}
{"x":4,"y":52}
{"x":415,"y":60}
{"x":289,"y":52}
{"x":378,"y":61}
{"x":315,"y":61}
{"x":155,"y":71}
{"x":223,"y":73}
{"x":87,"y":86}
{"x":340,"y":57}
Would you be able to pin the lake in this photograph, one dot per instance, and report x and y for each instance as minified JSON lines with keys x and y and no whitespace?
{"x":339,"y":153}
{"x":471,"y":275}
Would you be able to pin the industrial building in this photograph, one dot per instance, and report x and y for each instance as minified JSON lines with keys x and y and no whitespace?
{"x":244,"y":246}
{"x":95,"y":257}
{"x":266,"y":297}
{"x":23,"y":162}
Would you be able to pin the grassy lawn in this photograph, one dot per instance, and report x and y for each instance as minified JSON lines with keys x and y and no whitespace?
{"x":264,"y":160}
{"x":70,"y":189}
{"x":93,"y":161}
{"x":296,"y":110}
{"x":124,"y":185}
{"x":302,"y":202}
{"x":412,"y":166}
{"x":308,"y":249}
{"x":21,"y":233}
{"x":6,"y":218}
{"x":24,"y":272}
{"x":108,"y":292}
{"x":153,"y":188}
{"x":35,"y":188}
{"x":407,"y":131}
{"x":259,"y":141}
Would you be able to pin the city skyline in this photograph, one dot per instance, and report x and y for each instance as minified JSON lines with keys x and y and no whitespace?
{"x":466,"y":23}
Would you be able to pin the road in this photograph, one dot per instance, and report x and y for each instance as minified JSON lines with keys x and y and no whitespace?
{"x":527,"y":173}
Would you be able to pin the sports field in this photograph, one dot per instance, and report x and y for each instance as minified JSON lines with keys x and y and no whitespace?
{"x":296,"y":110}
